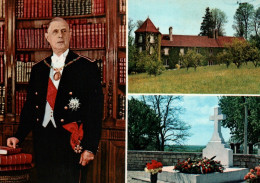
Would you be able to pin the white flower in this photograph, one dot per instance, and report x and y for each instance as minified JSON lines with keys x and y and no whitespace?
{"x":74,"y":104}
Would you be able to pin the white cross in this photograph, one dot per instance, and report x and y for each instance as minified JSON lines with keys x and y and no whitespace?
{"x":217,"y":117}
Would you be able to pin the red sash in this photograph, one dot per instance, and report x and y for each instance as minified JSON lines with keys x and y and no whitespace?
{"x":76,"y":135}
{"x":51,"y":94}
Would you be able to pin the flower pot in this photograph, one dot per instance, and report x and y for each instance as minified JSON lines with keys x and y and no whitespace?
{"x":153,"y":178}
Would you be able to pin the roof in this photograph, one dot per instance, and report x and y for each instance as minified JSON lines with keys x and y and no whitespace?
{"x":196,"y":41}
{"x":147,"y":26}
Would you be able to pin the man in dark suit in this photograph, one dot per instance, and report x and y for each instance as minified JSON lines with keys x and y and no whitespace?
{"x":63,"y":110}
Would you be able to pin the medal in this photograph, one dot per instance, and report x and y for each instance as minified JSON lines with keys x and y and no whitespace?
{"x":57,"y":75}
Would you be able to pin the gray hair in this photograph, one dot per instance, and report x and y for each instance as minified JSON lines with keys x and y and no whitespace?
{"x":57,"y":19}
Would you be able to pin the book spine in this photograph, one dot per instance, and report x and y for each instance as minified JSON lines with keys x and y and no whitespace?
{"x":54,"y":8}
{"x":16,"y":159}
{"x":36,"y":9}
{"x":88,"y":36}
{"x":62,"y":8}
{"x":96,"y":35}
{"x":77,"y":36}
{"x":29,"y":8}
{"x":40,"y":11}
{"x":16,"y":168}
{"x":93,"y":36}
{"x":84,"y":30}
{"x":32,"y":8}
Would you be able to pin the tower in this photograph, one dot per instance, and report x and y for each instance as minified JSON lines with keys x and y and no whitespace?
{"x":148,"y":38}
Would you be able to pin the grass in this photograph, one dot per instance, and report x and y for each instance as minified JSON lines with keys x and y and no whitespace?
{"x":215,"y":79}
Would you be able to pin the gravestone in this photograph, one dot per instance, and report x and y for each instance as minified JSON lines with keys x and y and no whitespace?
{"x":217,"y":146}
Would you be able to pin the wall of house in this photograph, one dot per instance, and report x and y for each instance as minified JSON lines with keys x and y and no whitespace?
{"x":173,"y":57}
{"x":136,"y":160}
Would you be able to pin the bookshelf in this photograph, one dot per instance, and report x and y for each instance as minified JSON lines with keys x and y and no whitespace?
{"x":103,"y":38}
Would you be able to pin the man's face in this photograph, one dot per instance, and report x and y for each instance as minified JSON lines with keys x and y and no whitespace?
{"x":58,"y":36}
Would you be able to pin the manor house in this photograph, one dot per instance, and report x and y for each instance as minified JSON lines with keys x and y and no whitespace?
{"x":169,"y":47}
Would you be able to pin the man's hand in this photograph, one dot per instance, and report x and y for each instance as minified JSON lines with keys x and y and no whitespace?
{"x":12,"y":142}
{"x":86,"y":157}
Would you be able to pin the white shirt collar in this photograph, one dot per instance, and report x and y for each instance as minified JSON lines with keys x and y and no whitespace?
{"x":58,"y":61}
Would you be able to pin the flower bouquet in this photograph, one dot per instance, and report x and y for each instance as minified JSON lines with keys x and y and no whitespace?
{"x":154,"y":168}
{"x":254,"y":175}
{"x":199,"y":166}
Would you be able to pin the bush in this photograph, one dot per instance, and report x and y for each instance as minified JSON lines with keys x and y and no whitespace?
{"x":154,"y":67}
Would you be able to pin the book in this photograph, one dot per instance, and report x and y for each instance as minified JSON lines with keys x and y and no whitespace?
{"x":4,"y":150}
{"x":15,"y":167}
{"x":16,"y":159}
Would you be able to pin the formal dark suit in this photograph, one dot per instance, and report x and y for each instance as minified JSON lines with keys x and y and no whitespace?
{"x":55,"y":159}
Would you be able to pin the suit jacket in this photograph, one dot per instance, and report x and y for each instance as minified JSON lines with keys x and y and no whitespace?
{"x":80,"y":80}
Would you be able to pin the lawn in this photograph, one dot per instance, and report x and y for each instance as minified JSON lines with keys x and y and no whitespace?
{"x":205,"y":80}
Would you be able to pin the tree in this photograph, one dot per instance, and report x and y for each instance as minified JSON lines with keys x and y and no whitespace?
{"x":219,"y":18}
{"x":207,"y":25}
{"x":256,"y":22}
{"x":224,"y":57}
{"x":237,"y":51}
{"x":253,"y":55}
{"x":143,"y":124}
{"x":192,"y":59}
{"x":139,"y":23}
{"x":171,"y":128}
{"x":243,"y":19}
{"x":233,"y":107}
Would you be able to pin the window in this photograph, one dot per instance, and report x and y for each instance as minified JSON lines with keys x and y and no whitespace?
{"x":151,"y":50}
{"x":166,"y":51}
{"x":140,"y":39}
{"x":166,"y":64}
{"x":182,"y":51}
{"x":151,"y":39}
{"x":140,"y":49}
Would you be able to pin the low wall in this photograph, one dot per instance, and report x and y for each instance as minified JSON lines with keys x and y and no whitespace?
{"x":136,"y":160}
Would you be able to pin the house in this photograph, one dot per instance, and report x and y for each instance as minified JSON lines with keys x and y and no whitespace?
{"x":169,"y":47}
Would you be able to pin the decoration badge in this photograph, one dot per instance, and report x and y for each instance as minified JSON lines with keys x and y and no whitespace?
{"x":74,"y":104}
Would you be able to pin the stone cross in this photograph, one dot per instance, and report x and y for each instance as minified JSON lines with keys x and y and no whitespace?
{"x":217,"y":146}
{"x":217,"y":117}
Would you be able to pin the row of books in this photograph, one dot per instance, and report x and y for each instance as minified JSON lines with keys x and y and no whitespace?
{"x":2,"y":36}
{"x":2,"y":8}
{"x":2,"y":100}
{"x":83,"y":36}
{"x":2,"y":67}
{"x":31,"y":38}
{"x":23,"y":71}
{"x":73,"y":7}
{"x":122,"y":71}
{"x":33,"y":8}
{"x":121,"y":106}
{"x":13,"y":159}
{"x":122,"y":36}
{"x":122,"y":6}
{"x":53,"y":8}
{"x":88,"y":35}
{"x":20,"y":98}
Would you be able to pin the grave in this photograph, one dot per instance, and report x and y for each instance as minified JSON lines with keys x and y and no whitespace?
{"x":217,"y":146}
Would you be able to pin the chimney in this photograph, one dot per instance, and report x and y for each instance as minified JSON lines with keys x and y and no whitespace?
{"x":216,"y":32}
{"x":158,"y":28}
{"x":170,"y":33}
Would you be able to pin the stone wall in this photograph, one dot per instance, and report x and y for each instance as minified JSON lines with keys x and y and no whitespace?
{"x":136,"y":160}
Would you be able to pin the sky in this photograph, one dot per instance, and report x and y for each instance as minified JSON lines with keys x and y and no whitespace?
{"x":198,"y":109}
{"x":185,"y":16}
